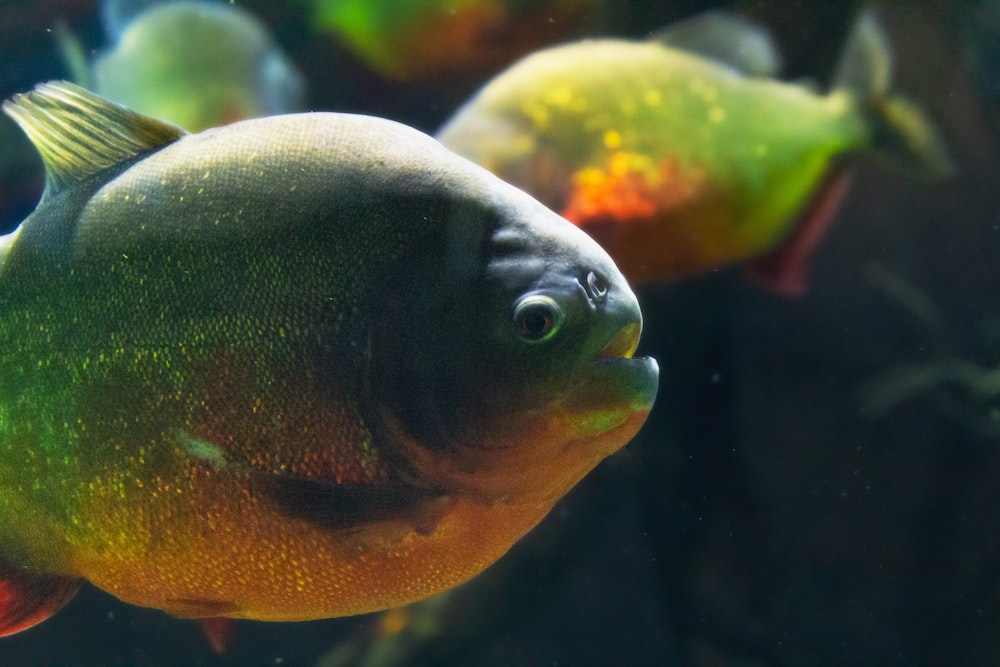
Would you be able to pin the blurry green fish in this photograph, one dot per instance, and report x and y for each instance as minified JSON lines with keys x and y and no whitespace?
{"x":197,"y":64}
{"x":295,"y":367}
{"x":419,"y":39}
{"x":679,"y":154}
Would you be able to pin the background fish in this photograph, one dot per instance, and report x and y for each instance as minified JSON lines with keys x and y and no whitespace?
{"x":668,"y":151}
{"x":296,"y":367}
{"x":197,"y":64}
{"x":432,"y":39}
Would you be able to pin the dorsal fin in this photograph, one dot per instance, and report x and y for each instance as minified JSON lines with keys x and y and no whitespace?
{"x":726,"y":38}
{"x":866,"y":63}
{"x":79,"y":134}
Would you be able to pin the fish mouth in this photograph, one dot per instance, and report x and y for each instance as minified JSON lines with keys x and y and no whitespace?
{"x":619,"y":373}
{"x":614,"y":386}
{"x":623,"y":344}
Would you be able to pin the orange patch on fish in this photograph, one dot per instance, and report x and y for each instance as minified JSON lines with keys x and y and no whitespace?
{"x":628,"y":187}
{"x":656,"y":220}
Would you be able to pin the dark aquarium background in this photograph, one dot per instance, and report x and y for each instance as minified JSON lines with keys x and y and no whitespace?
{"x":818,"y":481}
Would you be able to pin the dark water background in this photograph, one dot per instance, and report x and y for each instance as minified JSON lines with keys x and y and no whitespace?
{"x":766,"y":514}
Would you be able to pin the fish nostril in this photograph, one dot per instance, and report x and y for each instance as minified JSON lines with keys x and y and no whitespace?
{"x":597,"y":288}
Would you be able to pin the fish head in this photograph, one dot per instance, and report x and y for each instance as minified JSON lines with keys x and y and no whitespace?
{"x":509,"y":372}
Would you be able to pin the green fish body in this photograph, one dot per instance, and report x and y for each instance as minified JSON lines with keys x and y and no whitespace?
{"x":681,"y":153}
{"x":295,"y":367}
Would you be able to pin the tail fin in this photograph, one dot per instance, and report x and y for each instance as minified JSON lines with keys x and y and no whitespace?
{"x":899,"y":125}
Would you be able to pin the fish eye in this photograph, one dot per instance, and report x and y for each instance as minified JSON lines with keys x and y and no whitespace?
{"x":537,"y":318}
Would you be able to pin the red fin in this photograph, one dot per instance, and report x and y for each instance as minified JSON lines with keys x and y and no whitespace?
{"x":784,"y":269}
{"x":218,"y":631}
{"x":27,"y":598}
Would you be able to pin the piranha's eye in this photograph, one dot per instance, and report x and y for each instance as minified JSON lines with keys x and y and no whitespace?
{"x":537,"y":318}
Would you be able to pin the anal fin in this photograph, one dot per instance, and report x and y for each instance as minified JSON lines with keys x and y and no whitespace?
{"x":349,"y":506}
{"x":218,"y":630}
{"x":27,"y":598}
{"x":784,"y":269}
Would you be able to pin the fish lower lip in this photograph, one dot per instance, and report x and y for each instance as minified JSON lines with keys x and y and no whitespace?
{"x":615,"y":381}
{"x":631,"y":383}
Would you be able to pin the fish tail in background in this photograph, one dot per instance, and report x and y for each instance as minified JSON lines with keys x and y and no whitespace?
{"x":899,"y":125}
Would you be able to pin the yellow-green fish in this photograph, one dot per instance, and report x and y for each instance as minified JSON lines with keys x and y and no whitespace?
{"x":680,"y":154}
{"x":197,"y":64}
{"x":295,"y":367}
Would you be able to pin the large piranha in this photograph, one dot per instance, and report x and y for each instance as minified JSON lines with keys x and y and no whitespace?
{"x":296,"y":367}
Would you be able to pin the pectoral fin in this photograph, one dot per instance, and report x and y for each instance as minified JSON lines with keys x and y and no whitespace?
{"x":27,"y":599}
{"x":199,"y":607}
{"x":343,"y":506}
